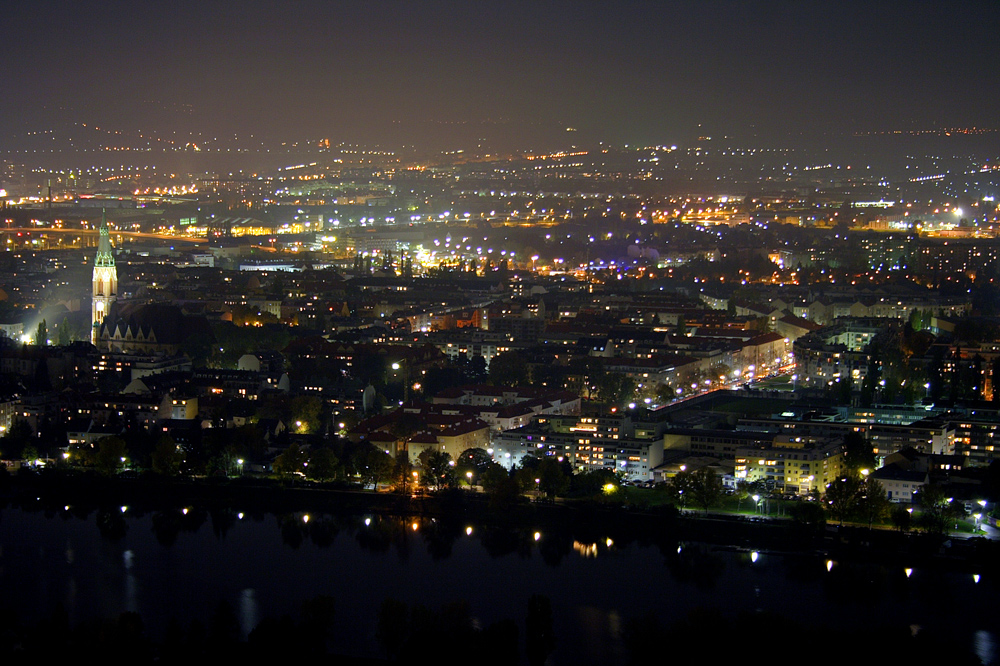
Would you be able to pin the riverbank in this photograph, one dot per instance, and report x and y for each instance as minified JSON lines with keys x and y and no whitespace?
{"x":564,"y":522}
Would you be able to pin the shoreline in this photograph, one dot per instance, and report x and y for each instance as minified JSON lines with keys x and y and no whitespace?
{"x":582,"y":521}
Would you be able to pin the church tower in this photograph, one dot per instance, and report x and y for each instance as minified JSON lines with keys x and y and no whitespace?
{"x":105,"y":283}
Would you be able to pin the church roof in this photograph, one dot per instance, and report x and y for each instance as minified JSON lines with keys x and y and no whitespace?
{"x":154,"y":322}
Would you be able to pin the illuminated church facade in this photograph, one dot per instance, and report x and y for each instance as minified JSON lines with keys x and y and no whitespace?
{"x":105,"y":282}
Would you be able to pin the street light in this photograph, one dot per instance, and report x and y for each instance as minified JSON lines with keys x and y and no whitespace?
{"x":468,"y":475}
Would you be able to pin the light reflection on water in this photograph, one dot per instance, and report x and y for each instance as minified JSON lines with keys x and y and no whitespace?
{"x":984,"y":643}
{"x":164,"y":567}
{"x":131,"y":584}
{"x":248,"y":613}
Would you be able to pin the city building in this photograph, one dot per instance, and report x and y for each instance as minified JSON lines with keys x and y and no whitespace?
{"x":792,"y":464}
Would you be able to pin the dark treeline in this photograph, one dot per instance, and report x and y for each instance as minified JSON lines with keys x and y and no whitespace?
{"x":384,"y":520}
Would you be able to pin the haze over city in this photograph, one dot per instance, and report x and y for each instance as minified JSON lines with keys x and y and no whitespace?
{"x":440,"y":74}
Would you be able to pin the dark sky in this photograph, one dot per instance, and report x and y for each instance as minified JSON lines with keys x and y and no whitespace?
{"x":621,"y":71}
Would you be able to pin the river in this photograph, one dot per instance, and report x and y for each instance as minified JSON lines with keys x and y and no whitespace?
{"x":181,"y":566}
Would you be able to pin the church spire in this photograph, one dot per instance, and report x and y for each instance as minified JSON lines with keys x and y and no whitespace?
{"x":105,"y":282}
{"x":104,"y":256}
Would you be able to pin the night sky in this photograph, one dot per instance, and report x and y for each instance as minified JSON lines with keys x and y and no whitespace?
{"x":381,"y":70}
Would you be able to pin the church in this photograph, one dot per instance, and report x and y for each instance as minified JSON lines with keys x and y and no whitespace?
{"x":147,"y":328}
{"x":105,"y":282}
{"x":150,"y":328}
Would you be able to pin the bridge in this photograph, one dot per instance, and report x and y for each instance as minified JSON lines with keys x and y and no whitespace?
{"x":95,"y":232}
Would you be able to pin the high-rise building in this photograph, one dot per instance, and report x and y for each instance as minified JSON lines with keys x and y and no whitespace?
{"x":105,"y":283}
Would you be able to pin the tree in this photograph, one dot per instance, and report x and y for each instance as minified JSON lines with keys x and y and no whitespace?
{"x":615,"y":388}
{"x":843,"y":390}
{"x":30,"y":453}
{"x":587,"y":372}
{"x":742,"y":493}
{"x":199,"y":348}
{"x":593,"y":483}
{"x":16,"y":439}
{"x":858,"y":453}
{"x":682,"y":328}
{"x":809,"y":514}
{"x":477,"y":369}
{"x":473,"y":460}
{"x":64,"y":336}
{"x":936,"y":508}
{"x":509,"y":369}
{"x":873,"y":505}
{"x":842,"y":496}
{"x":901,"y":518}
{"x":111,"y":454}
{"x":706,"y":488}
{"x":682,"y":484}
{"x":84,"y":455}
{"x":920,"y":319}
{"x":166,"y":459}
{"x":664,"y":393}
{"x":306,"y":411}
{"x":501,"y":487}
{"x":323,"y":465}
{"x":439,"y":468}
{"x":373,"y":465}
{"x":291,"y":460}
{"x":402,"y":470}
{"x":552,"y":479}
{"x":42,"y":334}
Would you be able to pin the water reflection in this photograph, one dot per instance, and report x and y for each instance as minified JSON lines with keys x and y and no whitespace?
{"x":985,"y":646}
{"x":131,"y":584}
{"x":111,"y":524}
{"x":249,"y":615}
{"x":554,"y":547}
{"x":323,"y":530}
{"x":500,"y":541}
{"x":223,"y":521}
{"x":440,"y":535}
{"x":293,"y":529}
{"x":684,"y":582}
{"x":167,"y":525}
{"x":696,"y":563}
